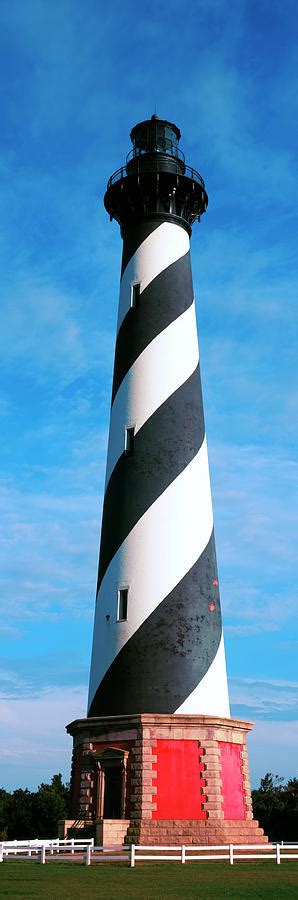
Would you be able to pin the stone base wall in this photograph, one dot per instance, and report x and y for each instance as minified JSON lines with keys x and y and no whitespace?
{"x":191,"y":832}
{"x":186,"y":778}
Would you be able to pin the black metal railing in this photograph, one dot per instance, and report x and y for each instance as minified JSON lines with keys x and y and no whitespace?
{"x":126,"y":171}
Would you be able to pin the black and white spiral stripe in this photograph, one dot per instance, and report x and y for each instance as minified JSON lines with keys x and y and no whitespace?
{"x":157,"y":527}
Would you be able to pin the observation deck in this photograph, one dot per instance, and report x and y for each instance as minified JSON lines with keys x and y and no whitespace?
{"x":155,"y":182}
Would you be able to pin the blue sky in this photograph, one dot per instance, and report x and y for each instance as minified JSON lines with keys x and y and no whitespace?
{"x":77,"y":76}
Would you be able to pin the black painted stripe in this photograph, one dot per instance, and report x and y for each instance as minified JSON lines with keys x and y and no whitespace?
{"x":167,"y":657}
{"x":164,"y":300}
{"x":133,"y":238}
{"x":163,"y":447}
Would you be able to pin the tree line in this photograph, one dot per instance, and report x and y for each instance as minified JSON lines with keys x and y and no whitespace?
{"x":29,"y":814}
{"x":275,"y":805}
{"x":34,"y":814}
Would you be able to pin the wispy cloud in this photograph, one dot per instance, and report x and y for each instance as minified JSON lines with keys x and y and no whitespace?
{"x":25,"y":677}
{"x":41,"y":746}
{"x":256,"y":485}
{"x":265,"y":698}
{"x":272,"y":747}
{"x":239,"y":631}
{"x":65,"y":129}
{"x":49,"y":552}
{"x":44,"y":336}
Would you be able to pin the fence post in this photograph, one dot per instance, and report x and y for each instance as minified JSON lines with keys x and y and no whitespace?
{"x":42,"y":854}
{"x":1,"y":853}
{"x":72,"y":846}
{"x":132,"y":855}
{"x":231,"y":855}
{"x":278,"y":854}
{"x":88,"y":855}
{"x":183,"y":853}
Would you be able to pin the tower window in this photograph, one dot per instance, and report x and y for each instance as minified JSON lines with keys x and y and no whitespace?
{"x":129,"y":440}
{"x":135,"y":295}
{"x":122,"y":605}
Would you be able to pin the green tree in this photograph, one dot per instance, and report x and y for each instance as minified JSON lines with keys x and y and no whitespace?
{"x":275,"y":806}
{"x":4,"y":799}
{"x":26,"y":814}
{"x":270,"y":783}
{"x":19,"y":815}
{"x":50,"y":803}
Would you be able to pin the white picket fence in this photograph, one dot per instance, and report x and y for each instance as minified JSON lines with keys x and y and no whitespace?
{"x":84,"y":851}
{"x":35,"y":846}
{"x":231,"y":853}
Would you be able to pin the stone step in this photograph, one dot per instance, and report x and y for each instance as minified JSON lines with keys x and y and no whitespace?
{"x":195,"y":832}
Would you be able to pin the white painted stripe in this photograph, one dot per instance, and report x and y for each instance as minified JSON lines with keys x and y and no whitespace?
{"x":165,"y":364}
{"x":152,"y":560}
{"x":210,"y":697}
{"x":160,"y":249}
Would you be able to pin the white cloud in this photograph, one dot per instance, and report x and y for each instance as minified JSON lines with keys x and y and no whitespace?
{"x":40,"y":746}
{"x":255,"y":504}
{"x":60,"y":273}
{"x":273,"y":747}
{"x":271,"y":704}
{"x":45,"y":335}
{"x":49,"y":548}
{"x":269,"y":697}
{"x":249,"y":630}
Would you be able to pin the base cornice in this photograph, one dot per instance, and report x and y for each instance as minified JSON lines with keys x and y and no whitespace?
{"x":95,"y":722}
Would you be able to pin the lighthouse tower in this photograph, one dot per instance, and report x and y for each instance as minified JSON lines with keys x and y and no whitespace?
{"x":158,"y":754}
{"x":158,"y":643}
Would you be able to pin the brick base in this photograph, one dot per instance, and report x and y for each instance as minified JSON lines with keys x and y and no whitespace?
{"x":182,"y":778}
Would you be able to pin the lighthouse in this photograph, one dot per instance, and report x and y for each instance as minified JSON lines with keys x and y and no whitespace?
{"x":158,"y":642}
{"x":158,"y":754}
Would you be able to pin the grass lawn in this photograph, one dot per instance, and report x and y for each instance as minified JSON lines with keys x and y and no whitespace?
{"x":56,"y":881}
